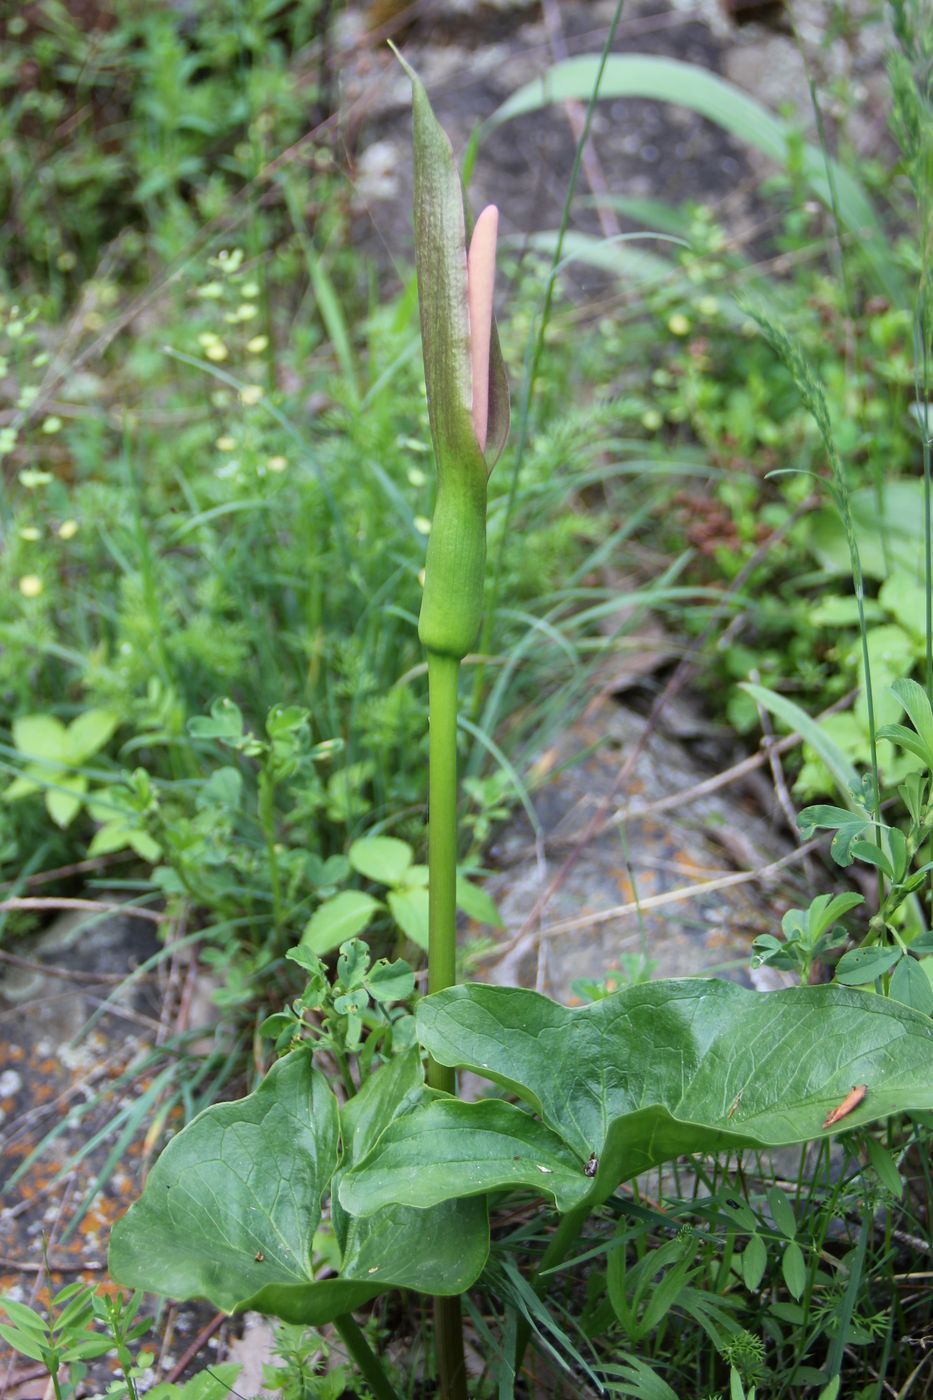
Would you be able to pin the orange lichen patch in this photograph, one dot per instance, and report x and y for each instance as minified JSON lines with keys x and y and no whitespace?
{"x":42,"y":1092}
{"x":8,"y":1104}
{"x":688,"y":862}
{"x":15,"y":1053}
{"x":49,"y":1066}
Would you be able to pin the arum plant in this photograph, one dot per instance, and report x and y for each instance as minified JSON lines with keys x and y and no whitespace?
{"x":468,"y":410}
{"x":234,"y":1208}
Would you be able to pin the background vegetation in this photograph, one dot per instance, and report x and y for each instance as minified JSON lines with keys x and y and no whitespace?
{"x":215,"y":499}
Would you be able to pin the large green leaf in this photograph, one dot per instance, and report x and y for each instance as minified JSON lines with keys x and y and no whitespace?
{"x":674,"y":1067}
{"x":686,"y":85}
{"x":231,"y":1206}
{"x":439,"y":1249}
{"x":481,"y":1147}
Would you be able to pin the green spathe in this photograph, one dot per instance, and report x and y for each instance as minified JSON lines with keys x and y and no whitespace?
{"x":454,"y":572}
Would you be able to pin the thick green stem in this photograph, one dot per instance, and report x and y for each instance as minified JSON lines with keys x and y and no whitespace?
{"x":365,"y":1358}
{"x":448,"y":1342}
{"x":443,"y":678}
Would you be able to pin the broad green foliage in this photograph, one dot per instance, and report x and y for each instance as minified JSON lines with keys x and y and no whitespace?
{"x":230,"y":1209}
{"x":648,"y":1074}
{"x":641,"y":1077}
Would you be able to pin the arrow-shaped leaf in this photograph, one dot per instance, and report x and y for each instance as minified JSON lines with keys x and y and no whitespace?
{"x":685,"y":1066}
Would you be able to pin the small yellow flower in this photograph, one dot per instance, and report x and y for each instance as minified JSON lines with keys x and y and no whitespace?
{"x":257,"y":344}
{"x":422,"y":524}
{"x":225,"y":443}
{"x":251,"y":394}
{"x":29,"y":533}
{"x":31,"y":477}
{"x":67,"y":529}
{"x":52,"y":424}
{"x":277,"y":464}
{"x":678,"y":324}
{"x":30,"y":585}
{"x":216,"y":350}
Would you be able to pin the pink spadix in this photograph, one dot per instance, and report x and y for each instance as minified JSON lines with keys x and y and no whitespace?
{"x":481,"y":276}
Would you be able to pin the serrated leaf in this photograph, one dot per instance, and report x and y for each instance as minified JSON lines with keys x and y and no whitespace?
{"x":384,"y":859}
{"x":338,"y":919}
